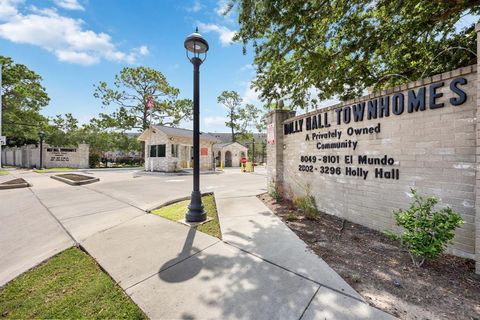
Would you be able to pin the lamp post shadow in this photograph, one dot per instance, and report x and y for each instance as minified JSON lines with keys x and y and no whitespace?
{"x":190,"y":253}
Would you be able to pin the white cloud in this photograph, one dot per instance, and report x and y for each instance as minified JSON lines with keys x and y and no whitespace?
{"x":221,"y":9}
{"x":225,"y":35}
{"x":8,"y":8}
{"x":215,"y":121}
{"x":63,"y":36}
{"x":197,"y":6}
{"x":69,"y":4}
{"x":250,"y":95}
{"x":246,"y":67}
{"x":143,"y":50}
{"x":76,"y":57}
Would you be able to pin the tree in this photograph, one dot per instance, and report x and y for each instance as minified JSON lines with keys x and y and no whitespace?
{"x":131,"y":91}
{"x":306,"y":51}
{"x":23,"y":96}
{"x":242,"y":120}
{"x":63,"y":131}
{"x":249,"y":120}
{"x":232,"y":101}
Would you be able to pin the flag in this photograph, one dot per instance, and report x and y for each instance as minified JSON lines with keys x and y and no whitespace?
{"x":150,"y":102}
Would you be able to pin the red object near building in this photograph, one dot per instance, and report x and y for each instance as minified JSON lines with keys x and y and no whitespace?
{"x":244,"y":160}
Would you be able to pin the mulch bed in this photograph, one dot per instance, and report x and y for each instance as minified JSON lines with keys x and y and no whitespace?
{"x":74,"y":177}
{"x":382,"y":272}
{"x":14,"y":181}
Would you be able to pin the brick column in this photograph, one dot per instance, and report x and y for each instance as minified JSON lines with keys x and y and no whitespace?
{"x":275,"y":150}
{"x":477,"y":198}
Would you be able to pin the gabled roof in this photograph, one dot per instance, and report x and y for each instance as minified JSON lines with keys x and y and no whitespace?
{"x":177,"y":132}
{"x":221,"y":145}
{"x":227,"y":136}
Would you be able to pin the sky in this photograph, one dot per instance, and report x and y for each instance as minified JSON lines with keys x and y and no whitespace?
{"x":74,"y":44}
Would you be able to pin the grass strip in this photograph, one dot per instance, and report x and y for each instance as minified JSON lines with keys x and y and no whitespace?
{"x":69,"y":285}
{"x":177,"y":212}
{"x":52,"y":170}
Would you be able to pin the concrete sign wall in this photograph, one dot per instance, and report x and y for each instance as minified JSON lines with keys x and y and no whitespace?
{"x":66,"y":157}
{"x":53,"y":157}
{"x":360,"y":158}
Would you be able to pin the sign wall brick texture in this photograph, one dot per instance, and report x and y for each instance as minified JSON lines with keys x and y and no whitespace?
{"x":434,"y":151}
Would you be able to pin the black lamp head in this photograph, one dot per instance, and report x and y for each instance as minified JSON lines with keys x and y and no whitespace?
{"x":196,"y":44}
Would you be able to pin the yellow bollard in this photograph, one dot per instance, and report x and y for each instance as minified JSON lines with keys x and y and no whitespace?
{"x":221,"y":165}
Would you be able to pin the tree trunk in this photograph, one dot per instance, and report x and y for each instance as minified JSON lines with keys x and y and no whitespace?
{"x":231,"y":126}
{"x":145,"y":126}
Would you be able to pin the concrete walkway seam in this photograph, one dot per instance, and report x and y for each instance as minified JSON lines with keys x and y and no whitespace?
{"x":137,"y":283}
{"x":91,"y":214}
{"x":309,"y":303}
{"x":295,"y":273}
{"x":113,"y":198}
{"x":54,"y":217}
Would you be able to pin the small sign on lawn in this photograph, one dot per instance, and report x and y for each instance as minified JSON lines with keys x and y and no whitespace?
{"x":3,"y":140}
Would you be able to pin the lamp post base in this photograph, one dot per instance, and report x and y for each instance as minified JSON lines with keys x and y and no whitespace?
{"x":195,"y":209}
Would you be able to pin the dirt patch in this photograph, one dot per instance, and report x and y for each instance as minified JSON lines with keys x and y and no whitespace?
{"x":382,"y":272}
{"x":14,"y":181}
{"x":75,"y":177}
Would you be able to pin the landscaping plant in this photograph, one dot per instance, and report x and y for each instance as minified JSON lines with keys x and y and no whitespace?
{"x":426,"y":232}
{"x":307,"y":204}
{"x":274,"y":192}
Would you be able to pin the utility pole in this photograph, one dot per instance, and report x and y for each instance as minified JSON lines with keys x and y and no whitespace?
{"x":253,"y":155}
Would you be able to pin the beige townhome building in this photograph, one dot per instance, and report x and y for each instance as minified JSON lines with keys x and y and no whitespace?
{"x":170,"y":149}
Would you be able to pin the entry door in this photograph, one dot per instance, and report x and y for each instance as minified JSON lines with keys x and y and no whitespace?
{"x":228,"y":159}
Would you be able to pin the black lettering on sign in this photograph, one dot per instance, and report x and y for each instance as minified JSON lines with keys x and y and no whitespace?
{"x":434,"y":95}
{"x":462,"y":96}
{"x":398,"y":105}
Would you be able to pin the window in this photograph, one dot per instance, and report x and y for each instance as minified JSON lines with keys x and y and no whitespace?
{"x":153,"y":151}
{"x":175,"y":150}
{"x":157,"y":151}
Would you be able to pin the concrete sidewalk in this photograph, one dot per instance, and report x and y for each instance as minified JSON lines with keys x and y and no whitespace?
{"x":261,"y":271}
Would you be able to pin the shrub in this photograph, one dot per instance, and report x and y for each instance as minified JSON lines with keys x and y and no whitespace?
{"x":291,"y":217}
{"x":307,"y":206}
{"x":128,"y":161}
{"x":426,"y":232}
{"x":94,"y":160}
{"x":274,"y":192}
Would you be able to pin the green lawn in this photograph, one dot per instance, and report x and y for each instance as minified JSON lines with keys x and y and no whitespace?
{"x":69,"y":285}
{"x":177,"y":212}
{"x":52,"y":170}
{"x":3,"y":172}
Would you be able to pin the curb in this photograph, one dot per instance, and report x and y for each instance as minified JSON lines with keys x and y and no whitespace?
{"x":149,"y":210}
{"x":76,"y":183}
{"x":15,"y":186}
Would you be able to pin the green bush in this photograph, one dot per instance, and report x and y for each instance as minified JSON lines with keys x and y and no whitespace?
{"x":426,"y":232}
{"x":307,"y":206}
{"x":274,"y":192}
{"x":94,"y":160}
{"x":128,"y":161}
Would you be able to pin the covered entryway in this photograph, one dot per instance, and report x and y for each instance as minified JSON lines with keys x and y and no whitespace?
{"x":228,"y":159}
{"x":218,"y":158}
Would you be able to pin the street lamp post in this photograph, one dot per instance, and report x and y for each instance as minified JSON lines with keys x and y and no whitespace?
{"x":197,"y":46}
{"x":41,"y":135}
